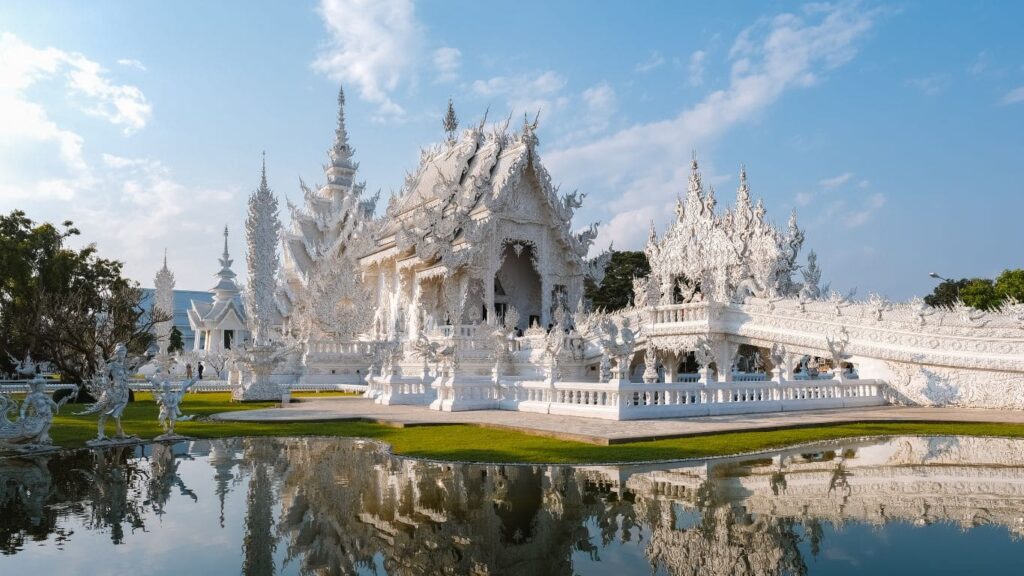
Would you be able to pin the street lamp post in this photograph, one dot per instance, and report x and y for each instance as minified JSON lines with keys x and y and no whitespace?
{"x":956,"y":285}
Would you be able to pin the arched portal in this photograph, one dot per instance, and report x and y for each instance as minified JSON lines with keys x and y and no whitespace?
{"x":517,"y":284}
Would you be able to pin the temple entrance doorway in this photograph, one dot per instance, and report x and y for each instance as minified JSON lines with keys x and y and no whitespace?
{"x":517,"y":283}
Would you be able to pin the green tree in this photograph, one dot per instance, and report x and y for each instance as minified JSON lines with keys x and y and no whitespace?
{"x":63,"y":305}
{"x":616,"y":289}
{"x":946,"y":293}
{"x":980,"y":293}
{"x":175,"y":342}
{"x":1010,"y":284}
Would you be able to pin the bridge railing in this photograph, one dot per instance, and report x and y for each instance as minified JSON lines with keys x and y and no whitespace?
{"x":672,"y":313}
{"x":632,"y":401}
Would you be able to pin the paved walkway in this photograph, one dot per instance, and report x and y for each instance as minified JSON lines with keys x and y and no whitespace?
{"x":605,"y":431}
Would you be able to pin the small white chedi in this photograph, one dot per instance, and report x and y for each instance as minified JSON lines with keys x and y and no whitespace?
{"x":468,"y":294}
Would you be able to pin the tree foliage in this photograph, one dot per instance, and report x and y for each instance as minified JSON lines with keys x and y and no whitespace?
{"x":176,"y":342}
{"x":616,"y":289}
{"x":1010,"y":284}
{"x":946,"y":293}
{"x":63,"y":305}
{"x":980,"y":293}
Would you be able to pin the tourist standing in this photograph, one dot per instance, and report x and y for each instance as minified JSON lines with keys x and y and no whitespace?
{"x":199,"y":367}
{"x":188,"y":371}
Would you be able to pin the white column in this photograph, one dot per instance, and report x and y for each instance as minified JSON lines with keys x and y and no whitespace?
{"x":489,"y":299}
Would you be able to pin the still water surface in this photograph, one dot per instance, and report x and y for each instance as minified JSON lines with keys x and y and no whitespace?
{"x":339,"y":506}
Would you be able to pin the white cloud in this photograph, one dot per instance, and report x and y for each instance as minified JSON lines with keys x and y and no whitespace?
{"x":131,"y":207}
{"x":373,"y":45}
{"x":447,"y":61}
{"x":1013,"y":96}
{"x":601,"y":103}
{"x":654,"y":61}
{"x":643,"y":166}
{"x":144,"y":209}
{"x":980,"y":65}
{"x":697,"y":68}
{"x":39,"y":158}
{"x":803,"y":198}
{"x":526,"y":93}
{"x":122,"y":105}
{"x":861,"y":216}
{"x":132,"y":63}
{"x":836,"y":181}
{"x":931,"y":85}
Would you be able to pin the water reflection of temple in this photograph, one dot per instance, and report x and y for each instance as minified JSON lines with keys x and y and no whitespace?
{"x":334,"y":506}
{"x":727,"y":517}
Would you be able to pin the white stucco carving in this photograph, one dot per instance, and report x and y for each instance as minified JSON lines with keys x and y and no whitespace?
{"x":479,"y":238}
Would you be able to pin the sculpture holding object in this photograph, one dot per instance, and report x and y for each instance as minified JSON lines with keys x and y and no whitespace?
{"x":31,"y":431}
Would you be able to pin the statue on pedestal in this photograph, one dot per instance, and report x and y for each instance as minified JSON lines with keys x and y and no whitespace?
{"x":32,"y":429}
{"x":169,"y":401}
{"x":110,"y":385}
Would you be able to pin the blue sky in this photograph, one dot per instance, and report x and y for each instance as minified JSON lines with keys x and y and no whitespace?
{"x":893,"y":129}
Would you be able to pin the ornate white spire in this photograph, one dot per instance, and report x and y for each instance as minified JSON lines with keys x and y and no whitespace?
{"x":226,"y":288}
{"x":262,"y":229}
{"x":163,"y":300}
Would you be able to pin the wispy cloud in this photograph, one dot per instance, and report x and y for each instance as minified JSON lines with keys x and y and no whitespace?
{"x":654,"y":61}
{"x":447,"y":62}
{"x":697,"y":68}
{"x":527,"y":92}
{"x":981,"y":64}
{"x":131,"y":63}
{"x":131,"y":207}
{"x":58,"y":168}
{"x":1013,"y":96}
{"x":932,"y":84}
{"x":836,"y":181}
{"x":643,"y":163}
{"x":373,"y":45}
{"x":861,"y":215}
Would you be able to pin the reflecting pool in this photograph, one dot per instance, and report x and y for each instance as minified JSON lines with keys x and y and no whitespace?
{"x":338,"y":506}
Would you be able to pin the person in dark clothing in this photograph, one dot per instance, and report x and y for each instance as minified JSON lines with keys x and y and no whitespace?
{"x":200,"y":370}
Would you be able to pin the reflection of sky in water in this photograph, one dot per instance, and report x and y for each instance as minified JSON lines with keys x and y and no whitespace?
{"x":906,"y":505}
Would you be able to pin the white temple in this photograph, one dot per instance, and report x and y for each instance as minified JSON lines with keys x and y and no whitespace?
{"x":468,"y":294}
{"x":220,"y":323}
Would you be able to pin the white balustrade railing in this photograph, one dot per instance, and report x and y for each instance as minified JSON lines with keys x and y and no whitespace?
{"x":671,"y":313}
{"x":226,"y":386}
{"x":632,"y":400}
{"x":22,"y":386}
{"x":324,"y":347}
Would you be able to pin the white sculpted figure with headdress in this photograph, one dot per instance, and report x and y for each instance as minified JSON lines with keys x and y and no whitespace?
{"x":110,"y":385}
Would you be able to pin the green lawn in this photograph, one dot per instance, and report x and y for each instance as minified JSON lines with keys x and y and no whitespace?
{"x":473,"y":443}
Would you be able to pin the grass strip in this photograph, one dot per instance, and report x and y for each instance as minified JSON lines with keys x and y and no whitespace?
{"x":470,"y":443}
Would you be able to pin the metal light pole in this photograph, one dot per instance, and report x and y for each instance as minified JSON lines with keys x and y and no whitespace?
{"x":956,"y":285}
